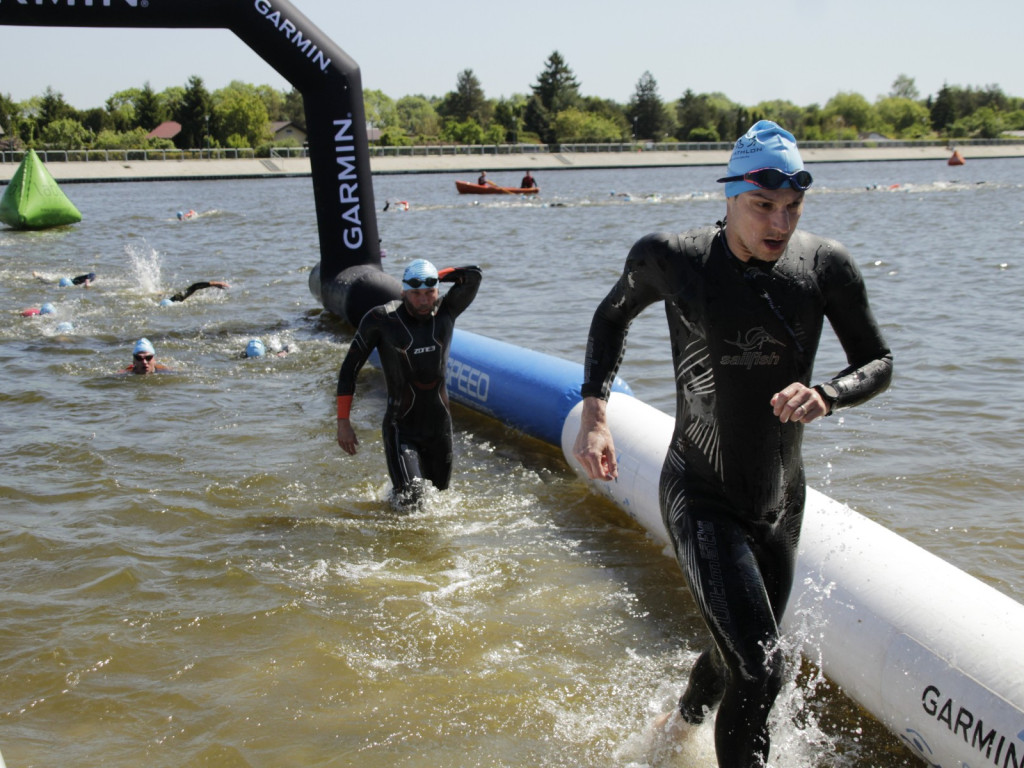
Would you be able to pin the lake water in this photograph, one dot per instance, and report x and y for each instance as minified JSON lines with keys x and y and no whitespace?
{"x":194,"y":574}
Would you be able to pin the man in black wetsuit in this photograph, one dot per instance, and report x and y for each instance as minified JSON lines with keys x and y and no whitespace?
{"x":412,"y":336}
{"x":745,"y":301}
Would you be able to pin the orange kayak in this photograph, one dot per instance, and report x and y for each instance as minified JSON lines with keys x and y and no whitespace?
{"x":468,"y":188}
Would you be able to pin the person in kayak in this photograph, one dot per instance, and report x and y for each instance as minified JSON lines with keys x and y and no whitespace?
{"x":745,"y":301}
{"x":412,"y":335}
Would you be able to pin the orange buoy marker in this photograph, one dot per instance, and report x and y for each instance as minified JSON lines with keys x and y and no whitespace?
{"x":956,"y":159}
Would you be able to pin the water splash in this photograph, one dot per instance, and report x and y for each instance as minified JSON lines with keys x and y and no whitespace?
{"x":144,"y":263}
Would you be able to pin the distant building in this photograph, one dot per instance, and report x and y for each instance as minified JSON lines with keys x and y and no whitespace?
{"x":166,"y":130}
{"x":285,"y":129}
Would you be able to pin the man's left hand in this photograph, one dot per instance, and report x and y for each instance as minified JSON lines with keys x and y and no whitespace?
{"x":798,"y":403}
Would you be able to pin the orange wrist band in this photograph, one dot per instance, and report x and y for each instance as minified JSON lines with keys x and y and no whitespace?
{"x":344,"y":406}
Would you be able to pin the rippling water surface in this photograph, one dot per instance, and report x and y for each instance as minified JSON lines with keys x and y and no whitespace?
{"x":194,"y":574}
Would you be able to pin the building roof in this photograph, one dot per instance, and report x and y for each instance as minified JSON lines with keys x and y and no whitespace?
{"x":166,"y":130}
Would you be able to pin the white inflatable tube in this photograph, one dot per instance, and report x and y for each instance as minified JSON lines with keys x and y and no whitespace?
{"x":933,"y":653}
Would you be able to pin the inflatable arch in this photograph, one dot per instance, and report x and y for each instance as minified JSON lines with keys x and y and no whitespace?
{"x":349,"y":279}
{"x":931,"y":652}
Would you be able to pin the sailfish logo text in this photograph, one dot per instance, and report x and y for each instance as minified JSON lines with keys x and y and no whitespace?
{"x":348,"y":183}
{"x":752,"y":348}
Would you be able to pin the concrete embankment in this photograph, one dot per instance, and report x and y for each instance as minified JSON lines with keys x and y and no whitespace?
{"x":172,"y":169}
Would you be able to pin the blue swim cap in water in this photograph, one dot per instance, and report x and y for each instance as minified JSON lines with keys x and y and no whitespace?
{"x":65,"y":282}
{"x":47,"y":309}
{"x":765,"y":145}
{"x":422,"y":273}
{"x":144,"y":347}
{"x":166,"y":303}
{"x":255,"y":348}
{"x":64,"y":327}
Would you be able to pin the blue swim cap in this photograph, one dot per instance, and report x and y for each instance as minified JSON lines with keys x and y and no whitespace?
{"x":65,"y":282}
{"x":255,"y":348}
{"x":47,"y":309}
{"x":166,"y":303}
{"x":419,"y":270}
{"x":144,"y":347}
{"x":64,"y":327}
{"x":765,"y":145}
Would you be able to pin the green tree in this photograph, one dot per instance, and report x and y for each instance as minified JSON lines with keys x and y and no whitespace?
{"x":417,"y":116}
{"x":193,"y":112}
{"x":903,"y":87}
{"x":508,"y":115}
{"x":274,"y":101}
{"x":381,"y":111}
{"x":556,"y":89}
{"x":149,"y":109}
{"x":465,"y":132}
{"x":850,"y":114}
{"x":466,"y":102}
{"x":574,"y":125}
{"x":785,"y":113}
{"x":240,"y":116}
{"x":903,"y":118}
{"x":943,"y":110}
{"x":53,"y":107}
{"x":66,"y":133}
{"x":121,"y":109}
{"x":645,"y":111}
{"x":295,"y":109}
{"x":557,"y":86}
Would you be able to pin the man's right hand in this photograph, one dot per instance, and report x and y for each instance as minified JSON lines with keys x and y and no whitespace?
{"x":594,"y":447}
{"x":347,"y":437}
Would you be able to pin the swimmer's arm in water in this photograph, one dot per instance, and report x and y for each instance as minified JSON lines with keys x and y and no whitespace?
{"x":594,"y":447}
{"x":198,"y":287}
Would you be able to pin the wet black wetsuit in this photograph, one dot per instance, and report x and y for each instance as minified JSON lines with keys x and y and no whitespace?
{"x":413,"y":352}
{"x":182,"y":295}
{"x":732,"y":485}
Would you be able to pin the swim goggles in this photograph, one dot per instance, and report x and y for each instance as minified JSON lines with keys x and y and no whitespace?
{"x":415,"y":282}
{"x":773,"y":178}
{"x":143,"y":358}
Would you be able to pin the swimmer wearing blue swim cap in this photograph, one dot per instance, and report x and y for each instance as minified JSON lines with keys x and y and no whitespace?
{"x":255,"y":348}
{"x":144,"y":359}
{"x":47,"y":309}
{"x":412,"y":336}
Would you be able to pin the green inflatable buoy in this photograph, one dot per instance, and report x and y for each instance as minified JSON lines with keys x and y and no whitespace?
{"x":33,"y":200}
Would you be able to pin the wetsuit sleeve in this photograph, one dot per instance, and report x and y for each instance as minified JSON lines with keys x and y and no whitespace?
{"x":364,"y":342}
{"x":637,"y":288}
{"x":848,"y":311}
{"x":460,"y":296}
{"x":189,"y":291}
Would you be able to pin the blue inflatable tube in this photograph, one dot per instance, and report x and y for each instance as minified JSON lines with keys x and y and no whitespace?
{"x":530,"y":391}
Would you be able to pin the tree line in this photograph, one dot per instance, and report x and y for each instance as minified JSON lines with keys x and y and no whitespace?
{"x":554,"y":111}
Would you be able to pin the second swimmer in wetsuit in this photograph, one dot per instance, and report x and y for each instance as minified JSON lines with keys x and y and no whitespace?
{"x":745,"y":302}
{"x":412,"y":336}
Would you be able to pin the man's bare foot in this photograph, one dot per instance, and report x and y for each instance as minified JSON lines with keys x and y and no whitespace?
{"x":668,"y":733}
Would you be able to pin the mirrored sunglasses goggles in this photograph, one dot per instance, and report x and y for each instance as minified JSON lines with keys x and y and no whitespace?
{"x":773,"y":178}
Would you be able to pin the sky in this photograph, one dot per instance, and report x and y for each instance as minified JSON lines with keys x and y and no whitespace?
{"x":803,"y":51}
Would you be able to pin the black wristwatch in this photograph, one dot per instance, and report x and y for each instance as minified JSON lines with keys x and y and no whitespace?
{"x":829,"y":393}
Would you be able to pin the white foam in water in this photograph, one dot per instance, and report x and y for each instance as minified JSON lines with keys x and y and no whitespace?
{"x":145,"y":267}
